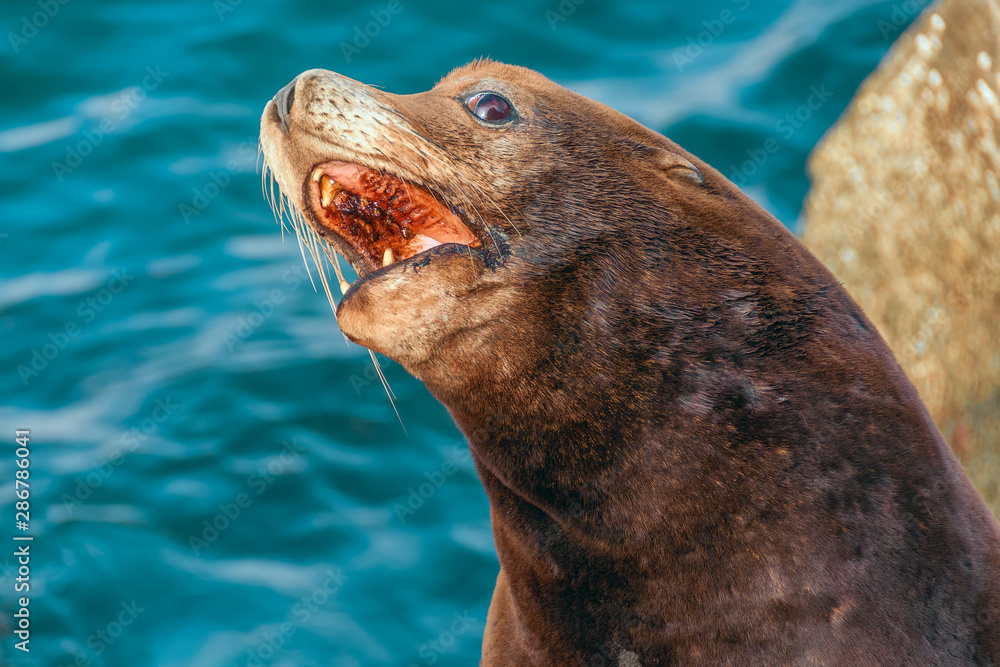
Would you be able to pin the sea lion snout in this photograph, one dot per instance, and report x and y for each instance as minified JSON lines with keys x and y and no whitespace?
{"x":367,"y":177}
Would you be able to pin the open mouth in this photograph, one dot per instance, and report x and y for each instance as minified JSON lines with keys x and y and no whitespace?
{"x":377,"y":219}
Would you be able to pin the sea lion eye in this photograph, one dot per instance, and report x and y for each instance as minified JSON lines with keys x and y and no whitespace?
{"x":490,"y":107}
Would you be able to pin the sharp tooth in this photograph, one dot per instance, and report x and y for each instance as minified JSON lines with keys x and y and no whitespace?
{"x":344,"y":286}
{"x":387,"y":257}
{"x":328,"y":190}
{"x":316,"y":175}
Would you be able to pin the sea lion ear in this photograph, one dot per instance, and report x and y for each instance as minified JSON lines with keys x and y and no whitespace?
{"x":675,"y":165}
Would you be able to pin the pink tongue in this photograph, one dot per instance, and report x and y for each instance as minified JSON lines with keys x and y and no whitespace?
{"x":421,"y":243}
{"x":445,"y":233}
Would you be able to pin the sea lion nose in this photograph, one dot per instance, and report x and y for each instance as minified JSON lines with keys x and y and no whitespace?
{"x":284,"y":101}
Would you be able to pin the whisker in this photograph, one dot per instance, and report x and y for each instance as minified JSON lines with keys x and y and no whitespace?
{"x":318,"y":257}
{"x":334,"y":258}
{"x":298,"y":236}
{"x":388,"y":391}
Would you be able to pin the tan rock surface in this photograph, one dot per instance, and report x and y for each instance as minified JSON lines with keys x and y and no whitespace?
{"x":905,"y":210}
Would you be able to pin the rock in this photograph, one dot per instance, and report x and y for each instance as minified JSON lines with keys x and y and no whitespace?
{"x":905,"y":210}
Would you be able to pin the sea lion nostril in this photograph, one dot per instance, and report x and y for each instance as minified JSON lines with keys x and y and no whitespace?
{"x":284,"y":101}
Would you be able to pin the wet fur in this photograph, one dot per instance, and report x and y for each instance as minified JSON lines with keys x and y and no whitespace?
{"x":697,"y":449}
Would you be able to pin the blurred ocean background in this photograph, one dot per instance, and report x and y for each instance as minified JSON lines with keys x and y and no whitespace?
{"x":217,"y":477}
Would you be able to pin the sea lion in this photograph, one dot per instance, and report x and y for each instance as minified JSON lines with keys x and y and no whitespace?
{"x":697,"y":449}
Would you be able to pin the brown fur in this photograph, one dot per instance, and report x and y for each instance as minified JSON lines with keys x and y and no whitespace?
{"x":697,"y":449}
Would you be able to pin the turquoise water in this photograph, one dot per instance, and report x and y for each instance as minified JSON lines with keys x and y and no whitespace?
{"x":217,"y":477}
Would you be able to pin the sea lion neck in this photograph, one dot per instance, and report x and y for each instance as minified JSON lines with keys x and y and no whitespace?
{"x":624,"y":346}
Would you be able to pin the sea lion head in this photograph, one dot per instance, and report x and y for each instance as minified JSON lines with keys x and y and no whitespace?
{"x":469,"y":209}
